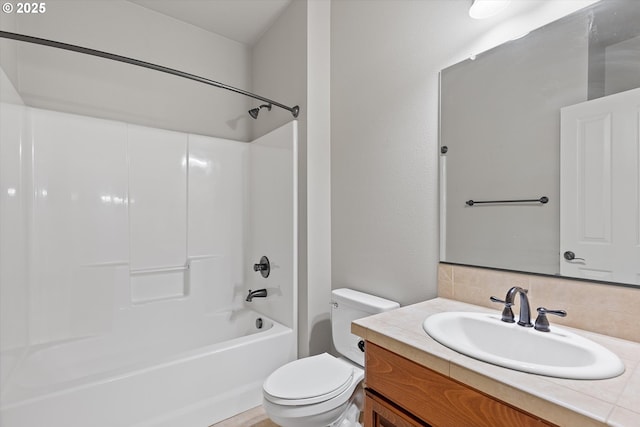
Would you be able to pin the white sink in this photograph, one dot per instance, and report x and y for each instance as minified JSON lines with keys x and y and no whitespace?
{"x":558,"y":353}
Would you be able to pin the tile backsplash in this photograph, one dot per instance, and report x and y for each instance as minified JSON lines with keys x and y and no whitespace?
{"x":605,"y":309}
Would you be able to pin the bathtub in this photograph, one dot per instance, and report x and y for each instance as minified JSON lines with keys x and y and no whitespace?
{"x":176,"y":378}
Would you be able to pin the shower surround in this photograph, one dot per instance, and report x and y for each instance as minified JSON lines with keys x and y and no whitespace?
{"x":126,"y":256}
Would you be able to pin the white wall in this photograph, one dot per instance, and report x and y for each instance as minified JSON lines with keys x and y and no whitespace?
{"x":279,"y":70}
{"x":620,"y":74}
{"x":385,"y":59}
{"x":72,"y":82}
{"x":318,"y":176}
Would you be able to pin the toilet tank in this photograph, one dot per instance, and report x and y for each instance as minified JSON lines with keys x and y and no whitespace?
{"x":348,"y":305}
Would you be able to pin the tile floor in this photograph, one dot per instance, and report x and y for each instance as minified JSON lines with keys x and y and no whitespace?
{"x":255,"y":417}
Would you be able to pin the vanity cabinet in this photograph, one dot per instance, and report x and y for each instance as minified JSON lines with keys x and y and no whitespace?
{"x":401,"y":393}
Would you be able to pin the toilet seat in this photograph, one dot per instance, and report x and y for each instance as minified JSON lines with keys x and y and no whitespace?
{"x":308,"y":381}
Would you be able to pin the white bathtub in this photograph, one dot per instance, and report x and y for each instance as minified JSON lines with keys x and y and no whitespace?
{"x":177,"y":378}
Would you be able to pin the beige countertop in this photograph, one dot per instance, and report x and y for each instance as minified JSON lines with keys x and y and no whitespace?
{"x":611,"y":402}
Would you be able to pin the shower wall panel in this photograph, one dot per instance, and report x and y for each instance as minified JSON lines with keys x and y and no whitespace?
{"x":217,"y":193}
{"x":14,"y":197}
{"x":79,"y":223}
{"x":14,"y":294}
{"x":99,"y":218}
{"x":157,"y":213}
{"x":157,"y":198}
{"x":272,"y":178}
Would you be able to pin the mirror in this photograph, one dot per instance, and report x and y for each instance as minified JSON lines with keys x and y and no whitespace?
{"x":541,"y":117}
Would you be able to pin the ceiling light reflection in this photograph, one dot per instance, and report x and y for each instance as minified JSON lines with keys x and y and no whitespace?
{"x":481,"y":9}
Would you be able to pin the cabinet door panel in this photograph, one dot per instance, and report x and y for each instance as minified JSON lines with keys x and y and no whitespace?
{"x":379,"y":413}
{"x":434,"y":398}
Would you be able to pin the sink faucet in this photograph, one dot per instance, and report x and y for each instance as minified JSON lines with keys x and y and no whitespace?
{"x":524,"y":319}
{"x":259,"y":293}
{"x":525,"y":312}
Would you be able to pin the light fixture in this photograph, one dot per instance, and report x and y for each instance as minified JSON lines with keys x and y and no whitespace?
{"x":481,"y":9}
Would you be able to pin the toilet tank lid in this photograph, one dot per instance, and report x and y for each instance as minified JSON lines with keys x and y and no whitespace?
{"x":365,"y":302}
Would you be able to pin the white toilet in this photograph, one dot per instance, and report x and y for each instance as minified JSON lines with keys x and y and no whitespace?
{"x":324,"y":390}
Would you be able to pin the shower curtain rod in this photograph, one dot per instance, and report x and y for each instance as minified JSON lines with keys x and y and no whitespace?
{"x":74,"y":48}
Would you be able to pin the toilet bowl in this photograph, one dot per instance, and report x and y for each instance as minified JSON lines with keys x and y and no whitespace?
{"x":315,"y":391}
{"x":325,"y":390}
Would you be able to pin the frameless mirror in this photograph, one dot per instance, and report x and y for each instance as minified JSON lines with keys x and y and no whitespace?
{"x":540,"y":150}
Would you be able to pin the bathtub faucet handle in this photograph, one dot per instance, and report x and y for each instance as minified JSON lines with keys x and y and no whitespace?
{"x":264,"y":267}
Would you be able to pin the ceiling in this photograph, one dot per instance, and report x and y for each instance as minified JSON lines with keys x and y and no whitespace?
{"x":244,"y":21}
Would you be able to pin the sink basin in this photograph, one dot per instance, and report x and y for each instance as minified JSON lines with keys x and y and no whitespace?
{"x":558,"y":353}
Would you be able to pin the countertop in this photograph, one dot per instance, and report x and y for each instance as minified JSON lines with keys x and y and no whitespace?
{"x":610,"y":402}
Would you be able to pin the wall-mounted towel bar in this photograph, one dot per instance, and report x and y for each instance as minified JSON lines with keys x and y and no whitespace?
{"x":543,"y":200}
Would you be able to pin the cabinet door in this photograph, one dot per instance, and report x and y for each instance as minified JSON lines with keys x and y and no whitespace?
{"x":379,"y":413}
{"x":434,"y":398}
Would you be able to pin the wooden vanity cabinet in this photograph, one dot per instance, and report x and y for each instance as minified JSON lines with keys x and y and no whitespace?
{"x":401,"y":393}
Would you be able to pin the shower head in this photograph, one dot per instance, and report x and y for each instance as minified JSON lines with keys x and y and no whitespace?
{"x":254,"y":111}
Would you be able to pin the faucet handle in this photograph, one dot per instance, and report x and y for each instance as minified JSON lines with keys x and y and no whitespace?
{"x":542,"y":323}
{"x":264,"y":267}
{"x":494,"y":299}
{"x":507,"y":312}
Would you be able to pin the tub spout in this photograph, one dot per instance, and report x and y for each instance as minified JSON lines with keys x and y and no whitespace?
{"x":260,"y":293}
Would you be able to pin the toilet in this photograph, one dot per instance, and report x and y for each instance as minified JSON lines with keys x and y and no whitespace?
{"x":325,"y":390}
